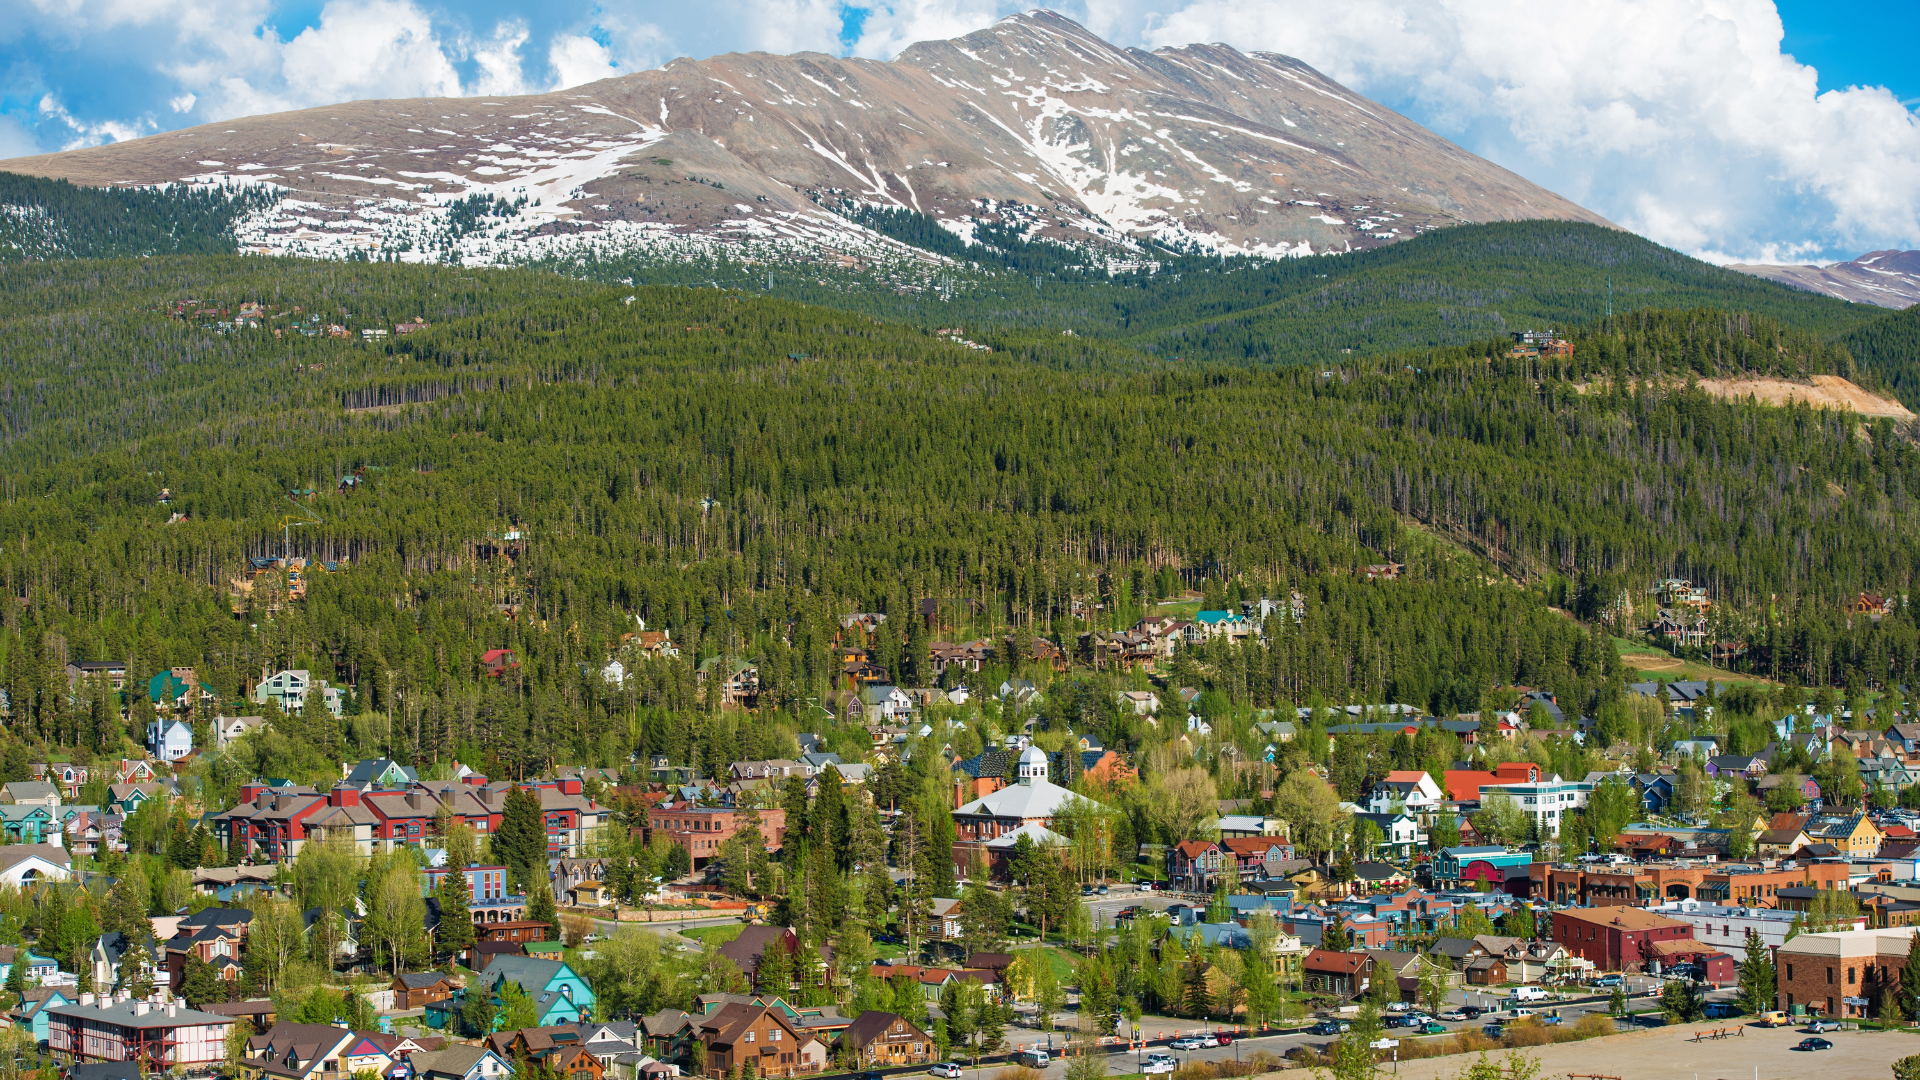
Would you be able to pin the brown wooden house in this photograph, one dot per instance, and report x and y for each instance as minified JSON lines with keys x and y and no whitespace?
{"x":416,"y":990}
{"x":517,"y":930}
{"x":740,"y":1033}
{"x":882,"y":1039}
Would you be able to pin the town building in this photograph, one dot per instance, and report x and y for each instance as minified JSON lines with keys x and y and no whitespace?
{"x":1622,"y":938}
{"x":1031,"y":800}
{"x":742,"y":1037}
{"x":1725,"y":927}
{"x":158,"y":1037}
{"x":703,"y":830}
{"x":1840,"y":974}
{"x":1453,"y":867}
{"x":884,"y":1039}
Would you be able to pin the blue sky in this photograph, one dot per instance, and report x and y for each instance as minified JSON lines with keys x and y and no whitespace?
{"x":1732,"y":129}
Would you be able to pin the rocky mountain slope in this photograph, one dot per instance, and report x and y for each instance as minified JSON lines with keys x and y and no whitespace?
{"x":1886,"y":278}
{"x":1034,"y":121}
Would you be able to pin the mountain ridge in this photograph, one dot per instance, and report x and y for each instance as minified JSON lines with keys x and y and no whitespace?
{"x":1033,"y":122}
{"x":1889,"y":279}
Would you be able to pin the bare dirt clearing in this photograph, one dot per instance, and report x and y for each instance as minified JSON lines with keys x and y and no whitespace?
{"x":1666,"y":1054}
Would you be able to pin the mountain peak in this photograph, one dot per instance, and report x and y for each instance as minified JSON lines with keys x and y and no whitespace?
{"x":1034,"y":122}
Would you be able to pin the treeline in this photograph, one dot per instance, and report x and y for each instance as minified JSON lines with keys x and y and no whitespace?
{"x":1450,"y":287}
{"x":55,"y":219}
{"x":1889,"y":347}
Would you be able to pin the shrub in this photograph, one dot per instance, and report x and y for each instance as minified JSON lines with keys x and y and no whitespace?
{"x":1592,"y":1026}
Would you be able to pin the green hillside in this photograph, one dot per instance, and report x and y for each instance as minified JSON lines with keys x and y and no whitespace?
{"x":53,"y":219}
{"x":742,"y":471}
{"x":1889,"y":346}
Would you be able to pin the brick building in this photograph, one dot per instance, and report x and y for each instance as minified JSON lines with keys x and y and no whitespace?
{"x":1841,"y":973}
{"x":701,"y":830}
{"x":1649,"y":884}
{"x":1619,"y":938}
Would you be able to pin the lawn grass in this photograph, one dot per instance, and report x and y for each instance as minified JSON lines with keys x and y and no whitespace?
{"x":1655,"y":665}
{"x":712,"y":937}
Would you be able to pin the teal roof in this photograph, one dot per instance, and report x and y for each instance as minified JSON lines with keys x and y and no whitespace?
{"x":159,"y":687}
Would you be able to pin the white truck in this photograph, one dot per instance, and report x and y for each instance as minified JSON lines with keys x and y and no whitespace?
{"x":1528,"y":993}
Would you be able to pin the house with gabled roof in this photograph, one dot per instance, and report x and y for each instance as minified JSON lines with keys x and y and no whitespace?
{"x":884,"y":1039}
{"x":459,"y":1061}
{"x":738,"y":1034}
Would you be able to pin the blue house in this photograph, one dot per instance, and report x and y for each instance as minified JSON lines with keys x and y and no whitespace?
{"x":169,"y":740}
{"x":38,"y":967}
{"x":33,"y":1007}
{"x":1656,"y":791}
{"x":26,"y":823}
{"x":559,"y":994}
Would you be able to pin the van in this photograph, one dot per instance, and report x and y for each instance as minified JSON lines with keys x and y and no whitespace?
{"x":1775,"y":1018}
{"x":1528,"y":993}
{"x":1033,"y":1059}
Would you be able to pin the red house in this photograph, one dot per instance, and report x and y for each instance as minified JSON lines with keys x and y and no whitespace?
{"x":1621,"y":938}
{"x":497,"y":662}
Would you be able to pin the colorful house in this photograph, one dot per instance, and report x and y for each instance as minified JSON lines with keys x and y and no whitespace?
{"x":1456,"y":866}
{"x":559,"y":994}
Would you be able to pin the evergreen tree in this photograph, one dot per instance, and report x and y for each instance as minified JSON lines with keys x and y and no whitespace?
{"x":775,"y":972}
{"x":454,"y":934}
{"x":1910,"y":980}
{"x":199,"y":985}
{"x":540,"y":908}
{"x":1193,"y":988}
{"x":521,"y":842}
{"x":1758,"y":985}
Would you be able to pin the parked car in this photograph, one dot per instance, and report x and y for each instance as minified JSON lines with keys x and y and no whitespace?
{"x":1191,"y":1042}
{"x":1605,"y":981}
{"x":1399,"y":1007}
{"x":1455,"y":1014}
{"x":1223,"y":1038}
{"x":1528,"y":993}
{"x":1495,"y":1031}
{"x":1773,"y":1019}
{"x":870,"y":1076}
{"x":1472,"y":1012}
{"x":1398,"y":1021}
{"x":1329,"y":1027}
{"x":1814,"y":1044}
{"x":1033,"y":1059}
{"x":1102,"y":890}
{"x":1208,"y":1041}
{"x":1721,"y":1010}
{"x":1821,"y":1027}
{"x":1433,"y":1027}
{"x":946,"y":1070}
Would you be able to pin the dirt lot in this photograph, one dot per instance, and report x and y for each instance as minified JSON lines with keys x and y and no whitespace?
{"x":1827,"y":392}
{"x":1665,"y":1054}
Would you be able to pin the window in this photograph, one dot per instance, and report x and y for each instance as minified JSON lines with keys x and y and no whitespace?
{"x":1849,"y":976}
{"x":1789,"y":972}
{"x":1829,"y":976}
{"x":749,"y":1036}
{"x":774,"y":1035}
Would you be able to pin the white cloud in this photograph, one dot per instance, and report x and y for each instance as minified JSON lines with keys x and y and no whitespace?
{"x":577,"y":59}
{"x":1681,"y":119}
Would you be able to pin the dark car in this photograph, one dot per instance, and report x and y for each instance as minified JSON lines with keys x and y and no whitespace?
{"x":1433,"y":1027}
{"x":1399,"y":1021}
{"x":1495,"y":1031}
{"x":1327,"y":1027}
{"x":1472,"y":1012}
{"x":1814,"y":1044}
{"x":870,"y":1076}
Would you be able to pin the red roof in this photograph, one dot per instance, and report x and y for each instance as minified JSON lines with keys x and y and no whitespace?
{"x":1406,"y":776}
{"x":1517,"y":772}
{"x":1193,"y":849}
{"x":1463,"y":785}
{"x":1346,"y":963}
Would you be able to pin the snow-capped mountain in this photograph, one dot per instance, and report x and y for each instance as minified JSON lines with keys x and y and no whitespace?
{"x":1887,"y":278}
{"x":1034,"y":121}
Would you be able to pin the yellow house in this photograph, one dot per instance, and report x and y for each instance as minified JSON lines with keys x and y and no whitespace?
{"x":1853,"y":834}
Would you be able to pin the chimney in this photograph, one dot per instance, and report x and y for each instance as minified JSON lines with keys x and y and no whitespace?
{"x":570,"y":785}
{"x":173,"y":1009}
{"x":413,"y":800}
{"x":140,"y":1007}
{"x":344,"y":795}
{"x":86,"y":999}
